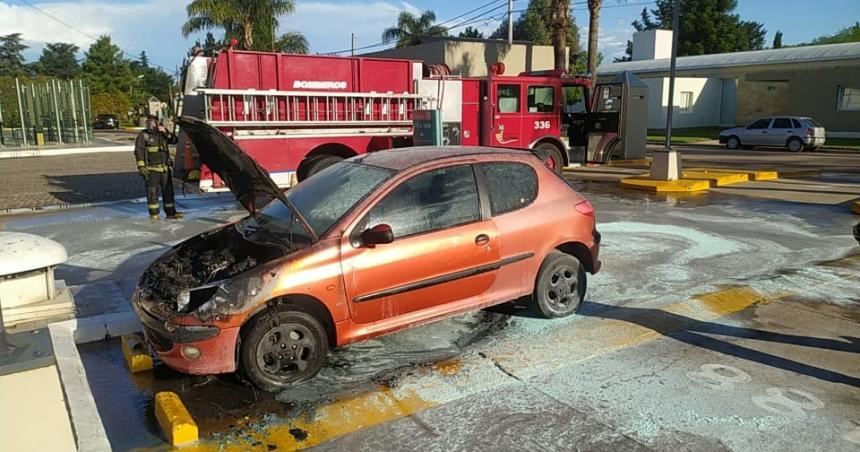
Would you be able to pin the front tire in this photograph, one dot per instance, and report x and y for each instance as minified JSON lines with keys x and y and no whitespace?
{"x":281,"y":348}
{"x":555,"y":161}
{"x":733,"y":143}
{"x":795,"y":145}
{"x":560,"y":286}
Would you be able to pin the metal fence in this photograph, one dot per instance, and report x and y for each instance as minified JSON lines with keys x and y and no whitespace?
{"x":48,"y":111}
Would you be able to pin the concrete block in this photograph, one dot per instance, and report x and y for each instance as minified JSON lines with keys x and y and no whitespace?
{"x":175,"y":420}
{"x":136,"y":353}
{"x":665,"y":186}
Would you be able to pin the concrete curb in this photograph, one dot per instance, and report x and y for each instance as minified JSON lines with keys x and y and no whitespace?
{"x":55,"y":207}
{"x":87,"y":424}
{"x":27,"y":153}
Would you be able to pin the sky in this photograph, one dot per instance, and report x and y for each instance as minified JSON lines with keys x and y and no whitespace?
{"x":154,"y":25}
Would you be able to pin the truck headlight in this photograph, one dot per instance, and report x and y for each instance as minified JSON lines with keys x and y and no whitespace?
{"x":191,"y":299}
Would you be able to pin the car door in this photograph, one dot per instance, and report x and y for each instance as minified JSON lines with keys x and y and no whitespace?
{"x":444,"y":249}
{"x":755,"y":134}
{"x":780,"y":131}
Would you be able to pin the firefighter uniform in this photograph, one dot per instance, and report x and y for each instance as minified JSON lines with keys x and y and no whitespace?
{"x":155,"y":165}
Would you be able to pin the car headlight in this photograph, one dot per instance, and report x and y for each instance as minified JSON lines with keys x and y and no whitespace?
{"x":191,"y":299}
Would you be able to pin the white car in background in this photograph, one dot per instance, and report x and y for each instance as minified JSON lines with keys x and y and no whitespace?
{"x":793,"y":132}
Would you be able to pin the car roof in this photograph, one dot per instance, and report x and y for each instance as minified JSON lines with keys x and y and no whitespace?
{"x":399,"y":159}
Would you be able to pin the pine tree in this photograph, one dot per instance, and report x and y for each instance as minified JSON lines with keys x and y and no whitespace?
{"x":11,"y":55}
{"x":59,"y":59}
{"x":470,"y":32}
{"x":777,"y":40}
{"x":109,"y":76}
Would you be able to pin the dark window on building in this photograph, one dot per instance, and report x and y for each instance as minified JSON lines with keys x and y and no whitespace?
{"x":759,"y":124}
{"x":508,"y":98}
{"x":781,"y":123}
{"x":430,"y":201}
{"x":541,"y":99}
{"x":511,"y":186}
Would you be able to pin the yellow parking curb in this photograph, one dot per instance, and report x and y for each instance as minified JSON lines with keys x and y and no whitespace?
{"x":175,"y":421}
{"x":135,"y":352}
{"x":717,"y":179}
{"x":753,"y":175}
{"x":664,"y":186}
{"x":855,"y":207}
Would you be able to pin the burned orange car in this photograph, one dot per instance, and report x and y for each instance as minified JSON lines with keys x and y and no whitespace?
{"x":371,"y":245}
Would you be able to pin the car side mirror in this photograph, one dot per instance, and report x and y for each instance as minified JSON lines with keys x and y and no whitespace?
{"x":377,"y":235}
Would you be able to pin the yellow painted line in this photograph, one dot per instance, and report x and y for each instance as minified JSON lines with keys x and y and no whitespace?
{"x":664,"y":186}
{"x":589,"y":339}
{"x":175,"y":421}
{"x":855,"y":207}
{"x":717,"y":179}
{"x":136,"y":354}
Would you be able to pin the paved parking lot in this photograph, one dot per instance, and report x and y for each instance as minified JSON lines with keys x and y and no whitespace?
{"x":717,"y":322}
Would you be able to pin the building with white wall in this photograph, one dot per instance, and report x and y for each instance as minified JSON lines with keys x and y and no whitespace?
{"x":734,"y":88}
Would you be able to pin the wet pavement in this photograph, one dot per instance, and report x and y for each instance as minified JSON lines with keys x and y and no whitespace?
{"x":717,"y":322}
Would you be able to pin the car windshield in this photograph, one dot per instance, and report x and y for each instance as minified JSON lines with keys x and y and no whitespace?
{"x":322,"y":200}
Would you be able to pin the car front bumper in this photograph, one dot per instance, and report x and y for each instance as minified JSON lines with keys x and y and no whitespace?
{"x":214,"y":348}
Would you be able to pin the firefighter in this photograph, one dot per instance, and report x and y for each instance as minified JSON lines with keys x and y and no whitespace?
{"x":155,"y":166}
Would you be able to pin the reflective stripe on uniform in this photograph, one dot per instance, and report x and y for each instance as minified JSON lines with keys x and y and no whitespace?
{"x":169,"y":204}
{"x":152,"y":149}
{"x":152,"y":206}
{"x":141,"y":163}
{"x":157,"y":168}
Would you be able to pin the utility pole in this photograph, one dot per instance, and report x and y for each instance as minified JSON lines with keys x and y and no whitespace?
{"x":667,"y":162}
{"x":352,"y":43}
{"x":510,"y":22}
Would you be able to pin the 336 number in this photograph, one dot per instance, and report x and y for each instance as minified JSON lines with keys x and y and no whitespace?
{"x":542,"y":125}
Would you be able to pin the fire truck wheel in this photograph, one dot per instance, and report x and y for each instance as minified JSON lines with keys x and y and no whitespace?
{"x":319,"y":163}
{"x":555,"y":161}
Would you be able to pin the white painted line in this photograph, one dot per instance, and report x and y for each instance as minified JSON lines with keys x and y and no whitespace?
{"x":9,"y":154}
{"x":86,"y":421}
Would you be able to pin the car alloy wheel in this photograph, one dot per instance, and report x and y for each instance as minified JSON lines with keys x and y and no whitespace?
{"x":733,"y":143}
{"x":283,"y":347}
{"x":795,"y":145}
{"x":560,"y":286}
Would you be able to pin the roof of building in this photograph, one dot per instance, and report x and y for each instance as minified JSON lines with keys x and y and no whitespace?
{"x":786,"y":55}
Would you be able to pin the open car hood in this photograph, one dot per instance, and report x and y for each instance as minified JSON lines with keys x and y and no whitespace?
{"x":246,"y":178}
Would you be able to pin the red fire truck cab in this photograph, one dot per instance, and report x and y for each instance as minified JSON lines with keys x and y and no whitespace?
{"x":297,"y":114}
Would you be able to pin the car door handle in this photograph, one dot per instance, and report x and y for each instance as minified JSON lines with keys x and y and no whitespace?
{"x":482,"y":239}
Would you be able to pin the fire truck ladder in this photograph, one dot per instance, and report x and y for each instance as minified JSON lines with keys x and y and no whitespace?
{"x":257,"y":108}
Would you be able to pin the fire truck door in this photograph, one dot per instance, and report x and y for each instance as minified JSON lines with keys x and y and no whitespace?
{"x":541,"y":117}
{"x":507,"y":115}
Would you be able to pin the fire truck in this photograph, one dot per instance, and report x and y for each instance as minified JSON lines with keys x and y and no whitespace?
{"x":297,"y":114}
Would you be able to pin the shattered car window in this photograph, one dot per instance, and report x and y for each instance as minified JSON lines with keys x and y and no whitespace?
{"x":434,"y":200}
{"x":327,"y":196}
{"x":512,"y":186}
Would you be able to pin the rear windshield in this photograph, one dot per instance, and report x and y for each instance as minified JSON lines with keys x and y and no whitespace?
{"x":813,"y":122}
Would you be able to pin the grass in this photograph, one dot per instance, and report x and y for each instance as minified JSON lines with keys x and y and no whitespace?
{"x":852,"y":144}
{"x":685,"y":135}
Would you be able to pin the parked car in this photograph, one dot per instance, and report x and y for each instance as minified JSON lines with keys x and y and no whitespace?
{"x":795,"y":133}
{"x":371,"y":245}
{"x":106,"y":122}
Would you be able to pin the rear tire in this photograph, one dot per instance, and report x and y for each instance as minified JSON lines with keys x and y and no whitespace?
{"x":733,"y":143}
{"x":555,"y":161}
{"x":560,"y":286}
{"x":281,"y":348}
{"x":318,"y":163}
{"x":795,"y":145}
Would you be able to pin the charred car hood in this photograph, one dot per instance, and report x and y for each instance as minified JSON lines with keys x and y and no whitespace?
{"x":246,"y":178}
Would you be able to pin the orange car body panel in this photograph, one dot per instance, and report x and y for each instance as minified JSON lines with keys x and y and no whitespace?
{"x":416,"y":279}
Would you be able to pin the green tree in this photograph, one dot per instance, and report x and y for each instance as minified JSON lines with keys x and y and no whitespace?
{"x":560,"y":20}
{"x":847,"y":34}
{"x":707,"y":27}
{"x":470,"y":32}
{"x":210,"y":45}
{"x":777,"y":40}
{"x":58,"y":59}
{"x":253,"y":23}
{"x":411,"y":29}
{"x":109,"y":76}
{"x":11,"y":55}
{"x":534,"y":25}
{"x":292,"y":42}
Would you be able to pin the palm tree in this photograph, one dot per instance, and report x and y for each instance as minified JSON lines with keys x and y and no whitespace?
{"x":292,"y":42}
{"x":593,"y":28}
{"x":252,"y":22}
{"x":560,"y":19}
{"x":410,"y":29}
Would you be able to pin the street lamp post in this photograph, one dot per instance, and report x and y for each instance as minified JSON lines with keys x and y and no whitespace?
{"x":667,"y":162}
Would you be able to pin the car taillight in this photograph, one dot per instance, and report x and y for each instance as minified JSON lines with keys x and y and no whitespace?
{"x":810,"y":132}
{"x":585,"y":208}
